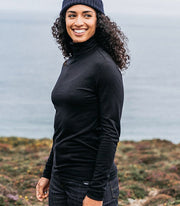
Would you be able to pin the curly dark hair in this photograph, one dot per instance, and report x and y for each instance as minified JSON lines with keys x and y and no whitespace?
{"x":108,"y":35}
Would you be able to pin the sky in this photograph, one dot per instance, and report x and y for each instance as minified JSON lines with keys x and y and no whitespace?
{"x":155,"y":7}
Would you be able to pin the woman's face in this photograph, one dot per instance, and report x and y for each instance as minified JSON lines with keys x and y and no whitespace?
{"x":80,"y":22}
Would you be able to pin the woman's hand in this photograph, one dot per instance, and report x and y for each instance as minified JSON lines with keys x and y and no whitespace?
{"x":42,"y":188}
{"x":90,"y":202}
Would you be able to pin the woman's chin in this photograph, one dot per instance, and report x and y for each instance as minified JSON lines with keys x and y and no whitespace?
{"x":80,"y":39}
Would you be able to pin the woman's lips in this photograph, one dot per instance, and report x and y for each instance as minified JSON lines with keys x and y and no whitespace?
{"x":79,"y":32}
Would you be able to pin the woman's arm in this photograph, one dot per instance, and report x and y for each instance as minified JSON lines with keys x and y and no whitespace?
{"x":42,"y":187}
{"x":110,"y":94}
{"x":48,"y":167}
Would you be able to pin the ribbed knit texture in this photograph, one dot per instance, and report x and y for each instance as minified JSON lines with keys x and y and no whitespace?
{"x":96,"y":4}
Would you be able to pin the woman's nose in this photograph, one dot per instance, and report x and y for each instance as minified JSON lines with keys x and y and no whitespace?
{"x":79,"y":21}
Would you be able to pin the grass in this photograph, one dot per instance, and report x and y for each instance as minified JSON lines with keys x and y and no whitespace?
{"x":143,"y":167}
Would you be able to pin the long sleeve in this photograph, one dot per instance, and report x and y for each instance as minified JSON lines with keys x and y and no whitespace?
{"x":48,"y":167}
{"x":110,"y":95}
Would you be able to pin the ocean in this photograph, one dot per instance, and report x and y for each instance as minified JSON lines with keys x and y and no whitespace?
{"x":30,"y":63}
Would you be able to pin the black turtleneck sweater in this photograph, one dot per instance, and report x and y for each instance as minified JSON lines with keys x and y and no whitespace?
{"x":88,"y":99}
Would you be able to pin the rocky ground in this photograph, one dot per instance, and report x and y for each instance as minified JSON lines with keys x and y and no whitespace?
{"x":149,"y":171}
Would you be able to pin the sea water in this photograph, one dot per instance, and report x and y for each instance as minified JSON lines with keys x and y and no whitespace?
{"x":30,"y":63}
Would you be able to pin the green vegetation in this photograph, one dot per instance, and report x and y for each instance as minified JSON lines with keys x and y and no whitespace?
{"x":148,"y":171}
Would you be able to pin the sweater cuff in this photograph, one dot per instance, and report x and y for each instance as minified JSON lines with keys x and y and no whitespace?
{"x":47,"y":177}
{"x":46,"y":174}
{"x":96,"y":195}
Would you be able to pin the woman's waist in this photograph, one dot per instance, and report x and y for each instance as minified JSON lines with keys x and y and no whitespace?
{"x":79,"y":174}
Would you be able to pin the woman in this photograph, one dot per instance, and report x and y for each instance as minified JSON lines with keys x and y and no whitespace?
{"x":88,"y":98}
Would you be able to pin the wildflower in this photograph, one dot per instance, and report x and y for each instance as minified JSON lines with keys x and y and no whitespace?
{"x":13,"y":197}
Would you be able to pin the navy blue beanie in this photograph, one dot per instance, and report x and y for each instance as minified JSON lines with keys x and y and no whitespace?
{"x":95,"y":4}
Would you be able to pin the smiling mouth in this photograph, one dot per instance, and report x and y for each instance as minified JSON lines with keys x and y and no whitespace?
{"x":79,"y":31}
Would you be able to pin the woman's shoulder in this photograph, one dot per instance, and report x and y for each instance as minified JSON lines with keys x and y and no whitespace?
{"x":103,"y":56}
{"x":105,"y":62}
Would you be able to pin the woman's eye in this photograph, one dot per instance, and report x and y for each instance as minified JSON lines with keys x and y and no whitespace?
{"x":87,"y":15}
{"x":71,"y":16}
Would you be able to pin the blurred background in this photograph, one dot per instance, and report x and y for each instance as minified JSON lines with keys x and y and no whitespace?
{"x":30,"y":63}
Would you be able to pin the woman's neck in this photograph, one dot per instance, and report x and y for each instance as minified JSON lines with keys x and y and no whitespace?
{"x":83,"y":47}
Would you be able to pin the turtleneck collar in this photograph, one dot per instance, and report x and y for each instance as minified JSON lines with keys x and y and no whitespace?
{"x":82,"y":48}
